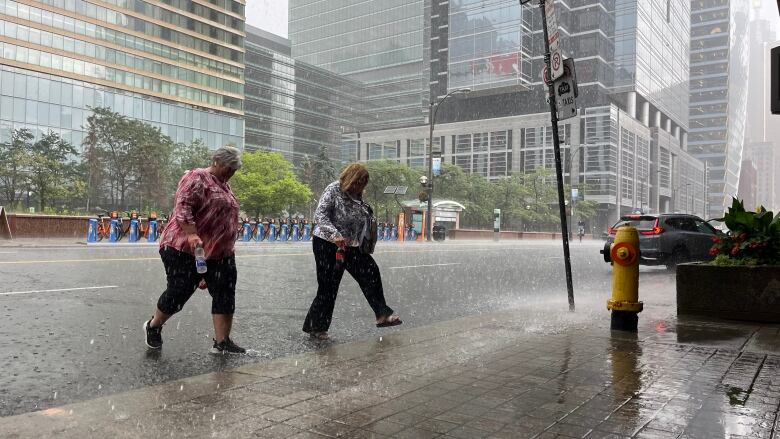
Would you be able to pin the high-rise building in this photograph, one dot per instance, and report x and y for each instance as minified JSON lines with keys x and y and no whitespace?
{"x":293,"y":107}
{"x":748,"y":184}
{"x":762,"y":128}
{"x":377,"y":42}
{"x":178,"y":65}
{"x":718,"y":102}
{"x":766,"y":160}
{"x":627,"y":146}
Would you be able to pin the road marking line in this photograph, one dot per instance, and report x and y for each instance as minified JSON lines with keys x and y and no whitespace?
{"x":57,"y":261}
{"x":13,"y":293}
{"x":427,"y":265}
{"x":95,"y":260}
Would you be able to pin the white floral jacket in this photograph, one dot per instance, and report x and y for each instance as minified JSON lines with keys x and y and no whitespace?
{"x":339,"y":215}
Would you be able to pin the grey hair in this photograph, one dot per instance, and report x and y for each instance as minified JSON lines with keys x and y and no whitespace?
{"x":228,"y":156}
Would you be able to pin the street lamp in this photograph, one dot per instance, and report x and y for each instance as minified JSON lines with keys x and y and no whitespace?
{"x":432,"y":110}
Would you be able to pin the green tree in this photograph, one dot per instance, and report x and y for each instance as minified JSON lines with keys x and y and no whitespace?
{"x":383,"y":173}
{"x":90,"y":167}
{"x":188,"y":156}
{"x":14,"y":159}
{"x":316,"y":173}
{"x":127,"y":159}
{"x":267,"y":185}
{"x":583,"y":209}
{"x":479,"y":202}
{"x":509,"y":196}
{"x":49,"y":169}
{"x":152,"y":161}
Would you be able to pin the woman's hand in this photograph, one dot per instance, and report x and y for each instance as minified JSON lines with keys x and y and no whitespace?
{"x":340,"y":242}
{"x":194,"y":241}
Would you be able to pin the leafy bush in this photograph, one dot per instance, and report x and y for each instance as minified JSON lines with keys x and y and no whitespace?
{"x":753,"y":238}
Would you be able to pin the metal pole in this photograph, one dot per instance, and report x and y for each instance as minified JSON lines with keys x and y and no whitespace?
{"x":706,"y":190}
{"x":558,"y":167}
{"x":428,"y":221}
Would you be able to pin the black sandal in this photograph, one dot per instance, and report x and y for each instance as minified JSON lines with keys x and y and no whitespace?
{"x":390,"y":321}
{"x":319,"y":335}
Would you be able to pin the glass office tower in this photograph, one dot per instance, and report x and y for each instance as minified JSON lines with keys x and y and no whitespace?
{"x":718,"y":103}
{"x":378,"y":43}
{"x":293,"y":107}
{"x":627,"y":145}
{"x":178,"y":65}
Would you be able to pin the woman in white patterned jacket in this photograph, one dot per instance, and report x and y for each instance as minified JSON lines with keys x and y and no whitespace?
{"x":342,"y":219}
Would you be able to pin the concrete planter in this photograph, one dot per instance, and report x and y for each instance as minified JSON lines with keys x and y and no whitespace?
{"x":740,"y":293}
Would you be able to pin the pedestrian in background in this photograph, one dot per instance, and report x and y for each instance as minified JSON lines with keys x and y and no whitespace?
{"x":344,"y":221}
{"x":204,"y":217}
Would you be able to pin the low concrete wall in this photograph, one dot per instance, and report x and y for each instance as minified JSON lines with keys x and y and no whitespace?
{"x":505,"y":235}
{"x":740,"y":293}
{"x":52,"y":226}
{"x":47,"y":226}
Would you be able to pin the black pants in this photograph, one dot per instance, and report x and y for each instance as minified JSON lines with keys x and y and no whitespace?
{"x":183,"y":279}
{"x":361,"y":267}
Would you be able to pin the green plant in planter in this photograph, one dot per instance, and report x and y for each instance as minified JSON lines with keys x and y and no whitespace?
{"x":753,"y":238}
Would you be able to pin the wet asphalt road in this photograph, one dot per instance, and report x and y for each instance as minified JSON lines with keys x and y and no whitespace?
{"x":74,"y":343}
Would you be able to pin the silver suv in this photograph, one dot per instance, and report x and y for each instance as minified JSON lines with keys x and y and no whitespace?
{"x":667,"y":238}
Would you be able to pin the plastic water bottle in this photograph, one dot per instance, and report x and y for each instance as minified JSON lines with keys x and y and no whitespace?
{"x":200,"y":260}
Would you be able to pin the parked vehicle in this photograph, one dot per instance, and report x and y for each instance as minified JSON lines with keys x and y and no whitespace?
{"x":668,"y":238}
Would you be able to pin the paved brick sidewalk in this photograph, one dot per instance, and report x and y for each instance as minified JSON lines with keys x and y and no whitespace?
{"x":484,"y":376}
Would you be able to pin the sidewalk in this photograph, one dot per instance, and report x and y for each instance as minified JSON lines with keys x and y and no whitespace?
{"x":41,"y":242}
{"x":493,"y":375}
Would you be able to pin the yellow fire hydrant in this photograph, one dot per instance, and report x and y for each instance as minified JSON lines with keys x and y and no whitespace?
{"x":625,"y":304}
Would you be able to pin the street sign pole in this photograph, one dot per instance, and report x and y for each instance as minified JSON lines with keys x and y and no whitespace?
{"x":557,"y":146}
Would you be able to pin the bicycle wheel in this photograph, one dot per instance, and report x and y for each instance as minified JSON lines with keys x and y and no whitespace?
{"x":101,"y":232}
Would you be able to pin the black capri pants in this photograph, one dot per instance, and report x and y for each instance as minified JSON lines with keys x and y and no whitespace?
{"x":183,"y":279}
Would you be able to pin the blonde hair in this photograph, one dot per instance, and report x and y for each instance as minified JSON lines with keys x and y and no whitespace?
{"x":355,"y":174}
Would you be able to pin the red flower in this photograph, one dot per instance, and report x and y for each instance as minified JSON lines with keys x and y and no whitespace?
{"x":734,"y":251}
{"x":714,"y":251}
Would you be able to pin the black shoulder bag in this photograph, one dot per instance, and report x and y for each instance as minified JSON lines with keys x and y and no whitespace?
{"x":368,"y":243}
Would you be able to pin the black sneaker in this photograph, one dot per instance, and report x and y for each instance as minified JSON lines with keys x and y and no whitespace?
{"x":153,"y":336}
{"x":227,"y":347}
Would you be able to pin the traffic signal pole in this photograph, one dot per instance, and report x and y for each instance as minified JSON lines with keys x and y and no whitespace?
{"x":557,"y":151}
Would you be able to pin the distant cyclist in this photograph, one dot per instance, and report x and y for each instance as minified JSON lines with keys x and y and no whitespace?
{"x":580,"y":229}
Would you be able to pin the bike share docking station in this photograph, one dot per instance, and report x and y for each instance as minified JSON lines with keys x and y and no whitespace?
{"x":112,"y":232}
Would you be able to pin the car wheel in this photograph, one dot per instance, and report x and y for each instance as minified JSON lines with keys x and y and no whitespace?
{"x":678,"y":256}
